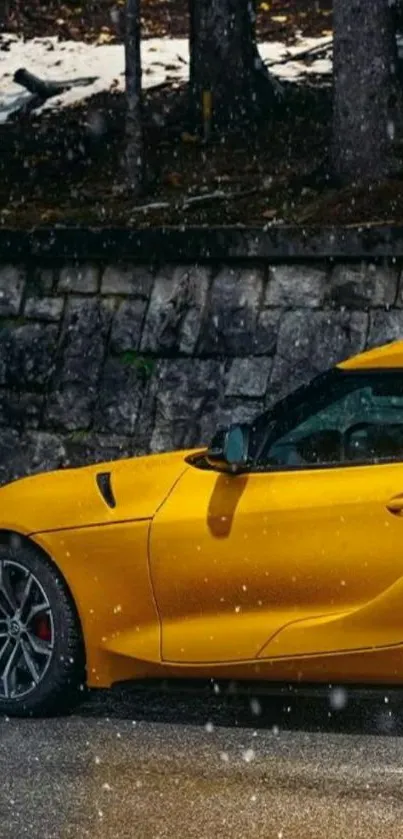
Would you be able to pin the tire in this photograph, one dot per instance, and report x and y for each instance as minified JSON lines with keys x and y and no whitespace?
{"x":42,"y":662}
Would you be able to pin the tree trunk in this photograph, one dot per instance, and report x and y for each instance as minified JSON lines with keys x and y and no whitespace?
{"x":397,"y":15}
{"x":134,"y":128}
{"x":226,"y":72}
{"x":367,"y":103}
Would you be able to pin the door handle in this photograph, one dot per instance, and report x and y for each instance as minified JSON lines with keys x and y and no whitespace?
{"x":395,"y":505}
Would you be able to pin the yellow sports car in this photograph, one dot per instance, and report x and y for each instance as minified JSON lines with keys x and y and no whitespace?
{"x":276,"y":554}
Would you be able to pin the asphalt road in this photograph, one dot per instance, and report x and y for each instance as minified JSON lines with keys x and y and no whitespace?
{"x":150,"y":765}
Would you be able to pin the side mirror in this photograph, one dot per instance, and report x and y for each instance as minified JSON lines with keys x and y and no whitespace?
{"x":229,"y":449}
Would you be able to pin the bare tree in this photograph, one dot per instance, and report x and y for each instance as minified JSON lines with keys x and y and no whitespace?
{"x":134,"y":127}
{"x":4,"y":13}
{"x":228,"y":81}
{"x":367,"y":97}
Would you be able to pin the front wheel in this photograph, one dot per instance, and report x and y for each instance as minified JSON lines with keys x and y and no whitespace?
{"x":41,"y":649}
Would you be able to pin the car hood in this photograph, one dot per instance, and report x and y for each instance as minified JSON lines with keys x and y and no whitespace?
{"x":123,"y":490}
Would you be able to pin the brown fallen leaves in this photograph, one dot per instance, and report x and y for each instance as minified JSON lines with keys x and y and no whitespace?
{"x":99,"y":20}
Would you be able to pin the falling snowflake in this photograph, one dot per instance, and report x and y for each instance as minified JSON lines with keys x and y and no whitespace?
{"x":338,"y":699}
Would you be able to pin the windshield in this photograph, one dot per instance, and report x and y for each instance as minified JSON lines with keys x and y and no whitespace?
{"x":333,"y":402}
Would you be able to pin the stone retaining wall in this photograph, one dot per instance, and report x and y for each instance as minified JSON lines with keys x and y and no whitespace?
{"x":104,"y":360}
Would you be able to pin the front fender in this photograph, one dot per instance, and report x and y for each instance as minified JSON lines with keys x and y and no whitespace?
{"x":106,"y":570}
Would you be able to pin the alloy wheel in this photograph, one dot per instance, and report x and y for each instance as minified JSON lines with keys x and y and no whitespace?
{"x":26,"y":631}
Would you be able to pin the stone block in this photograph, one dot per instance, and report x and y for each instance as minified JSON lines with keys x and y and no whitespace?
{"x":42,"y":451}
{"x":264,"y":340}
{"x":79,"y":278}
{"x":127,"y":325}
{"x":363,"y":285}
{"x":44,"y":308}
{"x":308,"y":345}
{"x":25,"y":454}
{"x":12,"y":284}
{"x":385,"y":327}
{"x":87,"y":447}
{"x":121,"y":391}
{"x":293,"y":286}
{"x":43,"y":281}
{"x":83,"y":346}
{"x":20,"y":409}
{"x":134,"y":280}
{"x":176,"y":310}
{"x":70,"y":408}
{"x":249,"y":377}
{"x":230,"y":410}
{"x":239,"y":411}
{"x":27,"y":355}
{"x":186,"y":390}
{"x":11,"y":465}
{"x":235,"y":299}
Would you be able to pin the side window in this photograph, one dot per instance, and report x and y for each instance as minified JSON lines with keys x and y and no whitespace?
{"x":361,"y":422}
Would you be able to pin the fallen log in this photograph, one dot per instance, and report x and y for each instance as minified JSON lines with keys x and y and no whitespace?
{"x":46,"y":89}
{"x":317,"y":51}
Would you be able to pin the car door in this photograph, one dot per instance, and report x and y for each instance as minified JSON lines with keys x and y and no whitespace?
{"x":281,"y":560}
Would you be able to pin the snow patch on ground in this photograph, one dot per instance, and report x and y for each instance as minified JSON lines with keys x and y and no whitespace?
{"x":163,"y":59}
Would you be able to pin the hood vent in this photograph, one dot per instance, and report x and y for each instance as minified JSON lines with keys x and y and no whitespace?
{"x":105,"y":488}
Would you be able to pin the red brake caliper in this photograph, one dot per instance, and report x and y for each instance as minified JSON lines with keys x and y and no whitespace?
{"x":42,"y":628}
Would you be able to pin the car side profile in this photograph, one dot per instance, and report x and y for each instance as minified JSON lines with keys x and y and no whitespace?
{"x":275,"y":554}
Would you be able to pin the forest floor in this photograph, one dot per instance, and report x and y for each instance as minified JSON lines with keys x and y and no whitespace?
{"x":92,"y":20}
{"x":56,"y":168}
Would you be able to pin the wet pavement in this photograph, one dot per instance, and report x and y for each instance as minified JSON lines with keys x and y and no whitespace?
{"x":138,"y":764}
